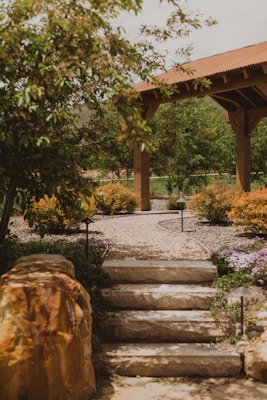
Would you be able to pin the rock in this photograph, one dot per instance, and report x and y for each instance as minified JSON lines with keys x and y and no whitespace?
{"x":256,"y":359}
{"x":45,"y":332}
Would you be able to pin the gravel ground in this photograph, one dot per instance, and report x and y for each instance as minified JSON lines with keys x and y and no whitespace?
{"x":151,"y":235}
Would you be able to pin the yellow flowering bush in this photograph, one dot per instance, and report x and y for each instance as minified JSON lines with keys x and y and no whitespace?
{"x":250,"y":210}
{"x":58,"y":212}
{"x":212,"y":203}
{"x":116,"y":198}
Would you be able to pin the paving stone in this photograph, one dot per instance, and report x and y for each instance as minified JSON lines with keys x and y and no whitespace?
{"x":149,"y":271}
{"x":165,"y":359}
{"x":159,"y":296}
{"x":161,"y":326}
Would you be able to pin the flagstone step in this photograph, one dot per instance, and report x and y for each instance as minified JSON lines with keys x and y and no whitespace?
{"x":160,"y":326}
{"x":166,"y":359}
{"x":159,"y":296}
{"x":154,"y":271}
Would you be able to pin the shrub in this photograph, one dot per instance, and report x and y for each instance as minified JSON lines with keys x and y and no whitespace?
{"x":212,"y":203}
{"x":117,"y":198}
{"x":250,"y":210}
{"x":61,"y":211}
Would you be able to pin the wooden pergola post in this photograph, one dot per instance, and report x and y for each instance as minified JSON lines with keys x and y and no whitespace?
{"x":238,"y":120}
{"x":141,"y":177}
{"x":142,"y":166}
{"x":243,"y":122}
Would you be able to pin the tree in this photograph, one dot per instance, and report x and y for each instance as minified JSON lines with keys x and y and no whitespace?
{"x":192,"y":138}
{"x":103,"y":148}
{"x":258,"y":152}
{"x":55,"y":56}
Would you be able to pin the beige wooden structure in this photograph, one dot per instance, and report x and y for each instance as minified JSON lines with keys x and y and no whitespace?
{"x":238,"y":83}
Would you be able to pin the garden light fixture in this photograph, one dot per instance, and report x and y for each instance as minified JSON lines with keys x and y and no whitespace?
{"x":241,"y":292}
{"x":87,"y":221}
{"x":182,"y":202}
{"x":102,"y":194}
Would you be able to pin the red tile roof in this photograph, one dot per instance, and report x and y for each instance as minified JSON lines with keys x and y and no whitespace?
{"x":209,"y":66}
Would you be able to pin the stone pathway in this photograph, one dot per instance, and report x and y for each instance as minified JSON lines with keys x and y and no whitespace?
{"x":140,"y":388}
{"x":134,"y":237}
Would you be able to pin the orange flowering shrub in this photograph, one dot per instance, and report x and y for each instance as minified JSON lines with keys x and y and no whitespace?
{"x":212,"y":203}
{"x":56,"y":213}
{"x":116,"y":198}
{"x":250,"y":210}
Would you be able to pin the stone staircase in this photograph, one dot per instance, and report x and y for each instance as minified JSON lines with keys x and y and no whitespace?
{"x":161,"y":324}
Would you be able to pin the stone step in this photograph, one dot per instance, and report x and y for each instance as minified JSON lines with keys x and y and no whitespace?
{"x":157,"y":296}
{"x":166,"y":359}
{"x":160,"y":326}
{"x":153,"y":271}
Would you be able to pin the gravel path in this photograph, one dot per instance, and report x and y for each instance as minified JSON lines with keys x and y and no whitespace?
{"x":148,"y":235}
{"x":159,"y":236}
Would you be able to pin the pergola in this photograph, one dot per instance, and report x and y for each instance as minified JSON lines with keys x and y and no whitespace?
{"x":238,"y":82}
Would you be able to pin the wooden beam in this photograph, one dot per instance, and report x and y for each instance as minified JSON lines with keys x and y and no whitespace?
{"x":255,"y":116}
{"x":141,"y":177}
{"x":217,"y":86}
{"x":225,"y":79}
{"x":218,"y":97}
{"x":264,"y":68}
{"x":261,"y":89}
{"x":247,"y":98}
{"x":245,"y":73}
{"x":148,"y":112}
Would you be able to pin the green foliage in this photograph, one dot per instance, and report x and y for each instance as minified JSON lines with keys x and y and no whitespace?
{"x":227,"y":314}
{"x":117,"y":198}
{"x":212,"y":203}
{"x":234,"y":270}
{"x":250,"y":210}
{"x":56,"y":57}
{"x":234,"y":279}
{"x":191,"y":138}
{"x":258,"y":150}
{"x":104,"y":149}
{"x":238,"y":267}
{"x":87,"y":267}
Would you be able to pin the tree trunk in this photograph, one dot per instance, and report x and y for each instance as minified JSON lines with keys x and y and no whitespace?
{"x":7,"y":211}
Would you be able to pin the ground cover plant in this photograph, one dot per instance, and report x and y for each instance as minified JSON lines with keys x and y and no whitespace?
{"x":241,"y":266}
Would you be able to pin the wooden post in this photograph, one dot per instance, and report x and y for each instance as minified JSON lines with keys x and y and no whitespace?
{"x":142,"y":165}
{"x":141,"y":177}
{"x":243,"y":122}
{"x":238,"y":120}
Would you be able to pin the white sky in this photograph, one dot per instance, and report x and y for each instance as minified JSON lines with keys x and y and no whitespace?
{"x":240,"y":23}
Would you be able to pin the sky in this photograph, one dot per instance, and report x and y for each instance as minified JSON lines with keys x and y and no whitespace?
{"x":240,"y":23}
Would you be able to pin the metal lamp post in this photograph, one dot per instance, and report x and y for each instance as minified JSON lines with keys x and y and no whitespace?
{"x":241,"y":292}
{"x":182,"y":203}
{"x":87,"y":221}
{"x":102,"y":194}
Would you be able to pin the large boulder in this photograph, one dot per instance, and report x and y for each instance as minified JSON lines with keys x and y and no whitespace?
{"x":256,"y":359}
{"x":45,"y":332}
